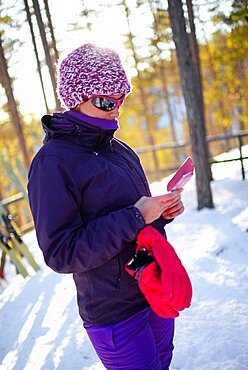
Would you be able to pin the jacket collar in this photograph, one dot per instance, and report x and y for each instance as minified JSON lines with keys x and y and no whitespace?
{"x":72,"y":124}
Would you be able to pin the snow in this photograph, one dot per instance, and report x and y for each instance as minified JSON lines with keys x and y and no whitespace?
{"x":41,"y":329}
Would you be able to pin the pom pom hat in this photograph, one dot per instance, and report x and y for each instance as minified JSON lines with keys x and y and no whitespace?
{"x":90,"y":70}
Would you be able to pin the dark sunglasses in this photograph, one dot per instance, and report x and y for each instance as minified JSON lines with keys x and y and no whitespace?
{"x":106,"y":104}
{"x":140,"y":260}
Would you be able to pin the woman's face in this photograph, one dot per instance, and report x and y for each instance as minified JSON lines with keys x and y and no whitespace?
{"x":90,"y":110}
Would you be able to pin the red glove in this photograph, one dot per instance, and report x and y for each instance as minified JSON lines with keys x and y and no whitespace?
{"x":164,"y":282}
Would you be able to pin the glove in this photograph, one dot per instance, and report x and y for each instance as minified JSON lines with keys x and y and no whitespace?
{"x":164,"y":281}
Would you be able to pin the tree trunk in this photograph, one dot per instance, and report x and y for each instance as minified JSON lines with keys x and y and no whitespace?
{"x":193,"y":103}
{"x":197,"y":65}
{"x":46,"y":49}
{"x":194,"y":48}
{"x":50,"y":26}
{"x":12,"y":107}
{"x":36,"y":52}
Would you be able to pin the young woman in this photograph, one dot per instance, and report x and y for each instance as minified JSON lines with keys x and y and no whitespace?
{"x":90,"y":198}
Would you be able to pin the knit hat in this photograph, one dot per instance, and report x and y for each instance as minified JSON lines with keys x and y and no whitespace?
{"x":90,"y":70}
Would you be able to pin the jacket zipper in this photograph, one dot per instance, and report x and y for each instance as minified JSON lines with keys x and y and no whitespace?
{"x":118,"y":285}
{"x":136,"y":171}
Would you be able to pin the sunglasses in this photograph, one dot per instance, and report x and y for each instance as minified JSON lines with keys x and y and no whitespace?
{"x":140,"y":260}
{"x":106,"y":104}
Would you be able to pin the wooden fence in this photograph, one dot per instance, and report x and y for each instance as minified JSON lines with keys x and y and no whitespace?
{"x":26,"y":223}
{"x":241,"y":139}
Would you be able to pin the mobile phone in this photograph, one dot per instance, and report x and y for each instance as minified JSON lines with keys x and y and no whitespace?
{"x":182,"y":175}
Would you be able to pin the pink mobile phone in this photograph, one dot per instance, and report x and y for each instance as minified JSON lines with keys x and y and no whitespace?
{"x":182,"y":175}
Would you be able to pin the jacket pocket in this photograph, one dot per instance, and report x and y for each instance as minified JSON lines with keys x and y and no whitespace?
{"x":118,"y":272}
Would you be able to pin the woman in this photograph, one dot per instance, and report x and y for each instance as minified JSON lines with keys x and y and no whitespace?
{"x":90,"y":198}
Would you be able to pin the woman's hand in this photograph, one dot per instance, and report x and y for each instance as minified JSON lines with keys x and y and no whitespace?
{"x":168,"y":205}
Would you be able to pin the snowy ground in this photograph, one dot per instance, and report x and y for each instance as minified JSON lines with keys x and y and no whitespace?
{"x":40,"y":328}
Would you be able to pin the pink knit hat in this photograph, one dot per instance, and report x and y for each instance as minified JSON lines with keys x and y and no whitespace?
{"x":90,"y":70}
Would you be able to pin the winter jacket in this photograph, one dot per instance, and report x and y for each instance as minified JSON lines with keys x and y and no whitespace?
{"x":82,"y":186}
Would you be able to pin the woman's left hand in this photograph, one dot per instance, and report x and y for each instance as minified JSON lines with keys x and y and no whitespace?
{"x":174,"y":211}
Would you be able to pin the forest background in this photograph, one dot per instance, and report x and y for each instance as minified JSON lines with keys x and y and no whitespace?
{"x":140,"y":30}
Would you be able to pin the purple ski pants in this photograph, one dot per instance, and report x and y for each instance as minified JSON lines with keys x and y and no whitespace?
{"x":141,"y":342}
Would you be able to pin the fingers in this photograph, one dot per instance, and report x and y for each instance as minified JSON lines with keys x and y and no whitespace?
{"x":169,"y":197}
{"x":170,"y":201}
{"x":169,"y":205}
{"x":178,"y":291}
{"x":189,"y":292}
{"x":173,"y":211}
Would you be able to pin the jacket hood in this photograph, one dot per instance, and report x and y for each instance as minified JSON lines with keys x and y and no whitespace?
{"x":89,"y":131}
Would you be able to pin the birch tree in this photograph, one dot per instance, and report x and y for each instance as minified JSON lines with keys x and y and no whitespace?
{"x":143,"y":94}
{"x":30,"y":23}
{"x":159,"y":19}
{"x":6,"y":82}
{"x":46,"y":48}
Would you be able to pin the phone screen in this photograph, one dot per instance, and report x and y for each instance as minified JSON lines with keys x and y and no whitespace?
{"x":182,"y":181}
{"x":182,"y":175}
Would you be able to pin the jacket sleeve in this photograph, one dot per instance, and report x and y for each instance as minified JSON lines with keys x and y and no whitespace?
{"x":68,"y":244}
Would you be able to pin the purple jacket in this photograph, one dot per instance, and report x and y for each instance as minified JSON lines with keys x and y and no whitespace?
{"x":82,"y":186}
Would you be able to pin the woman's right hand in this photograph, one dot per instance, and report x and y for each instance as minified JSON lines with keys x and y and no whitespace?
{"x":169,"y":205}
